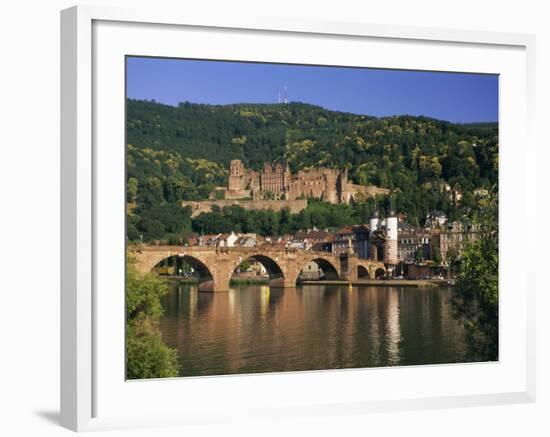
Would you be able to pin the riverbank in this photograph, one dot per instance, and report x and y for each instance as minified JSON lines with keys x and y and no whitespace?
{"x":419,"y":283}
{"x":180,"y":279}
{"x":234,"y":281}
{"x":249,"y":281}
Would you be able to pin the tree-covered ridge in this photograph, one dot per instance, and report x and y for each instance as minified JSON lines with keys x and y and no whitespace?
{"x":307,"y":136}
{"x":161,"y":175}
{"x":182,"y":153}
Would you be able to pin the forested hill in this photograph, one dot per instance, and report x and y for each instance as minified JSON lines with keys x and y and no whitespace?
{"x":182,"y":152}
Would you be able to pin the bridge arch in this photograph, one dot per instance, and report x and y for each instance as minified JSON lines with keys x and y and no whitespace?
{"x":201,"y":270}
{"x":272,"y":267}
{"x":362,"y":272}
{"x":329,"y":270}
{"x":379,"y":273}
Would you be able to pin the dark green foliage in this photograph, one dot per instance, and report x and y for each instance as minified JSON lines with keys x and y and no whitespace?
{"x":160,"y":221}
{"x":146,"y":354}
{"x":172,"y":228}
{"x":183,"y":153}
{"x":476,"y":294}
{"x":267,"y":222}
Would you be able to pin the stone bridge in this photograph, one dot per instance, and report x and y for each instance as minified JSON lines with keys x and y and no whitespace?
{"x":215,"y":265}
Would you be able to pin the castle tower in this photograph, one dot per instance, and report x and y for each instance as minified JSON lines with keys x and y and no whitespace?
{"x":254,"y":181}
{"x":391,"y":239}
{"x":343,"y":193}
{"x":236,"y":175}
{"x":287,"y":175}
{"x":279,"y":180}
{"x":330,"y":193}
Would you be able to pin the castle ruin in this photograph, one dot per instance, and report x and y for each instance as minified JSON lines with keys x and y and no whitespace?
{"x":275,"y":181}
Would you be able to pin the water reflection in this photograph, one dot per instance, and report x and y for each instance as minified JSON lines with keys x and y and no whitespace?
{"x":258,"y":329}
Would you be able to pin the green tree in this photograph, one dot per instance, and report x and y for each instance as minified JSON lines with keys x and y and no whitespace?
{"x":436,"y":255}
{"x":132,"y":232}
{"x":285,"y":221}
{"x":476,"y":295}
{"x":244,"y":266}
{"x":147,"y":356}
{"x":151,"y":191}
{"x":153,"y":229}
{"x":131,"y":190}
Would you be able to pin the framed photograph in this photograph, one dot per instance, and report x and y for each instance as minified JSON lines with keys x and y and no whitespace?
{"x":267,"y":219}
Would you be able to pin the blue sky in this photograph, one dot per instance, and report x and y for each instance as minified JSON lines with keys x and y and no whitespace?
{"x":456,"y":97}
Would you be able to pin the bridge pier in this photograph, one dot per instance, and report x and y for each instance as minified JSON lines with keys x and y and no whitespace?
{"x":221,"y":275}
{"x":282,"y":282}
{"x":348,"y":267}
{"x":373,"y":270}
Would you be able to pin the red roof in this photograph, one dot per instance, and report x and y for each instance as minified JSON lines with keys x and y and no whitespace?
{"x":352,"y":229}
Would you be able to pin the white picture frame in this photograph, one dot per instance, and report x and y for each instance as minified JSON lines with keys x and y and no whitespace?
{"x":93,"y":389}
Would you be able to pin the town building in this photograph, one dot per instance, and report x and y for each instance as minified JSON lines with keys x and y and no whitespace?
{"x":377,"y":241}
{"x":230,"y":239}
{"x":311,"y":272}
{"x":315,"y":239}
{"x":481,"y":192}
{"x":413,"y":245}
{"x":454,"y":193}
{"x":209,"y":240}
{"x":352,"y":238}
{"x":435,"y":219}
{"x":226,"y":240}
{"x":449,"y":242}
{"x":246,"y":240}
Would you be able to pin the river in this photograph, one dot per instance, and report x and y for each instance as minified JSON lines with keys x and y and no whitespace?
{"x":254,"y":328}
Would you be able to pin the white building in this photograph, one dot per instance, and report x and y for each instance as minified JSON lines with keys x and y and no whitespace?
{"x":436,"y":219}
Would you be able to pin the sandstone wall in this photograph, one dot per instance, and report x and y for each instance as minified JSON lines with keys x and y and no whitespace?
{"x":198,"y":207}
{"x":367,"y":191}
